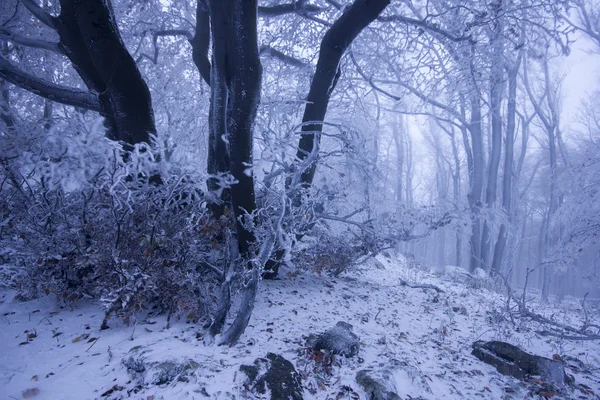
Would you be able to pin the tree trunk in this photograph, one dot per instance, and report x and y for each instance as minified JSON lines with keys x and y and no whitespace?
{"x":496,"y":83}
{"x":337,"y":39}
{"x":335,"y":42}
{"x":476,"y":184}
{"x":507,"y":188}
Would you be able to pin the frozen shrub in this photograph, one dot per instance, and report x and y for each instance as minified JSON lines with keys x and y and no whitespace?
{"x":78,"y":221}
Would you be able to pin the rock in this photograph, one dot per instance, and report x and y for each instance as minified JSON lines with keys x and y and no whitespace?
{"x":481,"y":279}
{"x":338,"y":340}
{"x":376,"y":385}
{"x":510,"y":360}
{"x":275,"y":375}
{"x":159,"y":373}
{"x":452,"y":273}
{"x":391,"y":382}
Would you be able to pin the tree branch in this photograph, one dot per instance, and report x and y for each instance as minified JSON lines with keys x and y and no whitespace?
{"x":30,"y":42}
{"x":48,"y":90}
{"x":274,"y":53}
{"x":298,"y":7}
{"x":201,"y":41}
{"x":40,"y":13}
{"x":424,"y":25}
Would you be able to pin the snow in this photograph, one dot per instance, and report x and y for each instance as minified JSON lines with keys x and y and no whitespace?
{"x":430,"y":332}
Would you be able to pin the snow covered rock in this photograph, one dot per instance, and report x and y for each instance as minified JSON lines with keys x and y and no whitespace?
{"x":338,"y":340}
{"x":510,"y":360}
{"x":452,"y":273}
{"x":481,"y":279}
{"x":391,"y":382}
{"x":275,"y":375}
{"x":377,"y":385}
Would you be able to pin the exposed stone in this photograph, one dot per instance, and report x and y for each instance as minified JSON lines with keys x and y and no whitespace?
{"x":338,"y":340}
{"x":393,"y":382}
{"x":510,"y":360}
{"x":376,"y":385}
{"x":275,"y":375}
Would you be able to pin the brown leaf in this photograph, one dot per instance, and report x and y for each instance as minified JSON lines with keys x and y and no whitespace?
{"x":547,"y":394}
{"x":557,"y":357}
{"x":81,"y":337}
{"x":31,"y":336}
{"x":92,"y":339}
{"x":34,"y":378}
{"x":30,"y":393}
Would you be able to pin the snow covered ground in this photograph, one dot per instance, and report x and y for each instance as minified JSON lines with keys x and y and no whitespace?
{"x":53,"y":352}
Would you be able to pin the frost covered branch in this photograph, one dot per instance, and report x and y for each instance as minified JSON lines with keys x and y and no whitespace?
{"x":48,"y":90}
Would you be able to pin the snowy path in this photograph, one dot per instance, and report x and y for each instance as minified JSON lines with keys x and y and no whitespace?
{"x":51,"y":353}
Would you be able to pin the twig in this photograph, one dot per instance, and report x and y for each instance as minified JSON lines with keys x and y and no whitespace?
{"x":93,"y":343}
{"x":585,"y":313}
{"x":422,"y":286}
{"x":568,"y":337}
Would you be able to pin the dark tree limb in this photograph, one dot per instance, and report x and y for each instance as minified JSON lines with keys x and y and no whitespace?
{"x":335,"y":42}
{"x":201,"y":41}
{"x":40,"y":13}
{"x":266,"y":50}
{"x":48,"y":90}
{"x":30,"y":42}
{"x":421,"y":286}
{"x":297,"y":7}
{"x":425,"y":26}
{"x":129,"y":93}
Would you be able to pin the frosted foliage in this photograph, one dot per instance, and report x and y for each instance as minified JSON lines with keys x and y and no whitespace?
{"x":80,"y":222}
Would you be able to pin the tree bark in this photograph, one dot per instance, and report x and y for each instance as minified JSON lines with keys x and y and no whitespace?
{"x":335,"y":42}
{"x":89,"y":37}
{"x":496,"y":84}
{"x":507,"y":187}
{"x":476,"y":184}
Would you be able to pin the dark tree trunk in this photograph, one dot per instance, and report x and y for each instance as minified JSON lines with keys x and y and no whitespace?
{"x":335,"y":42}
{"x":129,"y":94}
{"x":89,"y":37}
{"x":201,"y":41}
{"x":235,"y":88}
{"x":221,"y":75}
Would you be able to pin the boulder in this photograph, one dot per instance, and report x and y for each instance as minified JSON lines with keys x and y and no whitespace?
{"x":274,"y":375}
{"x":377,"y":385}
{"x":452,"y":273}
{"x":395,"y":381}
{"x":338,"y":340}
{"x":511,"y":360}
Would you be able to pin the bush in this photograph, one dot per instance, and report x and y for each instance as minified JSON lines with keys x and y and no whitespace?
{"x":77,"y":221}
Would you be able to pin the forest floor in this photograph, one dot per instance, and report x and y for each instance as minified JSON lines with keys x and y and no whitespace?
{"x":53,"y":352}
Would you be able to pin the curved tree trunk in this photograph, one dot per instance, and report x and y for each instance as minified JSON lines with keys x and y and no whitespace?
{"x":336,"y":41}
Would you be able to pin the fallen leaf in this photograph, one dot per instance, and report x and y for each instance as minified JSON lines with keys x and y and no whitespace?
{"x":81,"y":337}
{"x":30,"y":393}
{"x":547,"y":395}
{"x":92,"y":339}
{"x":34,"y":378}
